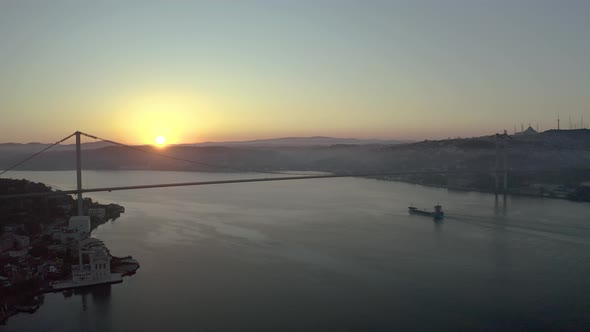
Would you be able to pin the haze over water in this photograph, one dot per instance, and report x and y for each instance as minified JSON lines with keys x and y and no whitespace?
{"x":340,"y":254}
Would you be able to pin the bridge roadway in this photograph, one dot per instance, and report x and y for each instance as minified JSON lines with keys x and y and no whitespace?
{"x":203,"y":183}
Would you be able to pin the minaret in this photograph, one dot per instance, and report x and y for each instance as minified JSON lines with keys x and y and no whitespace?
{"x":558,"y":121}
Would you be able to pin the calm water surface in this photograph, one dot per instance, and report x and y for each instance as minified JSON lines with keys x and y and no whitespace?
{"x":335,"y":254}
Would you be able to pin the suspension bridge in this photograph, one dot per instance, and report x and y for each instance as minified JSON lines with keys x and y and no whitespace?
{"x":277,"y":176}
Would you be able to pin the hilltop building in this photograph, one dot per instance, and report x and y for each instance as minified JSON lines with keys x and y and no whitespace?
{"x":527,"y":132}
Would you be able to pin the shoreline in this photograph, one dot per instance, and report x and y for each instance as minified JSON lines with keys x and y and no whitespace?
{"x":463,"y":189}
{"x":563,"y":196}
{"x":47,"y":251}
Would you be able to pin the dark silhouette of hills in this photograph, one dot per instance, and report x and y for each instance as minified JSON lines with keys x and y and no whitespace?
{"x":554,"y":162}
{"x":300,"y":141}
{"x":33,"y":147}
{"x":551,"y":149}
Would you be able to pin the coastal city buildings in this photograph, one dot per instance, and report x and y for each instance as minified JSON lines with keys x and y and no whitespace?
{"x":47,"y":249}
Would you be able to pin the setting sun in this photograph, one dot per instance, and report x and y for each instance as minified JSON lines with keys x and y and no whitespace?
{"x":160,"y":140}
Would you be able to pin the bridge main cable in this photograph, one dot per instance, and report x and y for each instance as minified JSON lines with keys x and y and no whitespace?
{"x":36,"y":154}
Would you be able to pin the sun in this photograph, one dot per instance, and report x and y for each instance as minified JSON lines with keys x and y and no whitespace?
{"x":160,"y":140}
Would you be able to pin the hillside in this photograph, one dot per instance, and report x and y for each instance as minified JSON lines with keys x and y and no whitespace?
{"x":552,"y":158}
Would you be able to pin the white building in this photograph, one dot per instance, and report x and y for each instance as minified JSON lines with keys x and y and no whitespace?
{"x":98,"y":267}
{"x":81,"y":223}
{"x":78,"y":229}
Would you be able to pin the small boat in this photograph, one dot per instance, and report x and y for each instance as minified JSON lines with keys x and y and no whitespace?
{"x":436,"y":214}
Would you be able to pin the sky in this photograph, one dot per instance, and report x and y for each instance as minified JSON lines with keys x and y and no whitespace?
{"x":195,"y":71}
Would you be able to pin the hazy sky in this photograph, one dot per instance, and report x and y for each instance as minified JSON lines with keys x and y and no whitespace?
{"x":226,"y":70}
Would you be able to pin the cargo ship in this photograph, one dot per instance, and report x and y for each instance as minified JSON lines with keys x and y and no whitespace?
{"x":436,"y":214}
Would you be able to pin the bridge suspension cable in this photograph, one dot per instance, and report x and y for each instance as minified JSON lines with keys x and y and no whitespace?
{"x":36,"y":154}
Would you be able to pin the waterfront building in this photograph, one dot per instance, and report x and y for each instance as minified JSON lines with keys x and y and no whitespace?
{"x":94,"y":261}
{"x":97,"y":268}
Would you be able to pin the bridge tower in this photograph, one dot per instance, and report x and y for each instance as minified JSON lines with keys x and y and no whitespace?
{"x":79,"y":174}
{"x":501,"y":167}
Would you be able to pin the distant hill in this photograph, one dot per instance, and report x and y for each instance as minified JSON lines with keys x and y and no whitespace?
{"x":564,"y":149}
{"x":300,"y":141}
{"x":28,"y":148}
{"x":560,"y":139}
{"x":553,"y":163}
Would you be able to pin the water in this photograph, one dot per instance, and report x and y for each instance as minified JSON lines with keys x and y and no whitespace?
{"x":333,"y":254}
